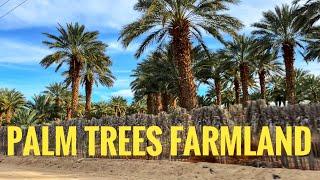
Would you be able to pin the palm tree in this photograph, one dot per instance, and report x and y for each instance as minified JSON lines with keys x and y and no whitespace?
{"x":266,"y":64}
{"x":102,"y":109}
{"x":138,"y":107}
{"x":233,"y":76}
{"x":240,"y":52}
{"x":302,"y":86}
{"x":43,"y":105}
{"x":94,"y":72}
{"x":212,"y":67}
{"x":278,"y":93}
{"x":73,"y":46}
{"x":282,"y":30}
{"x":311,"y":86}
{"x":146,"y":85}
{"x":180,"y":21}
{"x":157,"y":78}
{"x":119,"y":105}
{"x":11,"y":101}
{"x":26,"y":117}
{"x":57,"y":92}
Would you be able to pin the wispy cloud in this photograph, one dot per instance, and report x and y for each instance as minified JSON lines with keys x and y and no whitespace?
{"x":95,"y":13}
{"x":127,"y":93}
{"x":250,"y":11}
{"x":20,"y":52}
{"x":115,"y":47}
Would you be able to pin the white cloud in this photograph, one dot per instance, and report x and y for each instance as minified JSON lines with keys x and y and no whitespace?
{"x":116,"y":47}
{"x":94,"y":13}
{"x":127,"y":93}
{"x":250,"y":11}
{"x":19,"y":52}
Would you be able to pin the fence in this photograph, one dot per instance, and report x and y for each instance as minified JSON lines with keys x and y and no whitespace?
{"x":256,"y":115}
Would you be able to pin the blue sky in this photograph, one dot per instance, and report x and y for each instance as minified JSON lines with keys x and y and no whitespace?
{"x":21,"y":48}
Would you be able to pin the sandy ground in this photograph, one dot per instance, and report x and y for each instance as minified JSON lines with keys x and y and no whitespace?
{"x":72,"y":168}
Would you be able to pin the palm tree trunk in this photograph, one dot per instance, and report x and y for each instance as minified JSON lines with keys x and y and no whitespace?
{"x":69,"y":113}
{"x":217,"y":83}
{"x":173,"y":102}
{"x":149,"y":104}
{"x":244,"y":73}
{"x":1,"y":113}
{"x":8,"y":116}
{"x":157,"y":103}
{"x":76,"y":67}
{"x":262,"y":79}
{"x":88,"y":89}
{"x":288,"y":55}
{"x":165,"y":101}
{"x":237,"y":89}
{"x":182,"y":59}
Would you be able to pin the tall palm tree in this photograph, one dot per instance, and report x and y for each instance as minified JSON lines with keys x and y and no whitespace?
{"x":240,"y":52}
{"x":94,"y":72}
{"x":11,"y":101}
{"x":233,"y":76}
{"x":180,"y":21}
{"x":278,"y":93}
{"x":281,"y":28}
{"x":266,"y":64}
{"x":144,"y":84}
{"x":212,"y":67}
{"x":73,"y":46}
{"x":157,"y":78}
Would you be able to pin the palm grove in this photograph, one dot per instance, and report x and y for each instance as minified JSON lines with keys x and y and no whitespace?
{"x":250,"y":66}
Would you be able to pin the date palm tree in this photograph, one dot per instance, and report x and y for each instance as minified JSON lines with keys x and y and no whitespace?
{"x":11,"y":101}
{"x":119,"y":105}
{"x":212,"y":67}
{"x":102,"y":109}
{"x":266,"y":64}
{"x":282,"y":29}
{"x":58,"y":92}
{"x":240,"y":52}
{"x":73,"y":47}
{"x":157,"y":78}
{"x":311,"y":86}
{"x":43,"y":105}
{"x":94,"y":72}
{"x":179,"y":21}
{"x":26,"y":117}
{"x":97,"y":71}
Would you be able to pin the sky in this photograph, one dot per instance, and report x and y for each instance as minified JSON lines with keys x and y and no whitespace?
{"x":21,"y":37}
